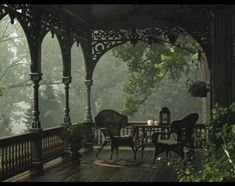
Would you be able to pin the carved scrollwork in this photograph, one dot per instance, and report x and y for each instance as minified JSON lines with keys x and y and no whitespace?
{"x":80,"y":33}
{"x":99,"y":48}
{"x":103,"y":40}
{"x":3,"y":12}
{"x":54,"y":24}
{"x":27,"y":16}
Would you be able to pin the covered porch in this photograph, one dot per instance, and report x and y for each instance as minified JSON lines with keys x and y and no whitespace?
{"x":97,"y":29}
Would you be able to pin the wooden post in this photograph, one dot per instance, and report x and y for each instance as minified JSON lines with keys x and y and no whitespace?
{"x":66,"y":81}
{"x":37,"y":164}
{"x":88,"y":116}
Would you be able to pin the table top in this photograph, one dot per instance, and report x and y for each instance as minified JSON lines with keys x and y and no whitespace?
{"x":150,"y":126}
{"x":143,"y":124}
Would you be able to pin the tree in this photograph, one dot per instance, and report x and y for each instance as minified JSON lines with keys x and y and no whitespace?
{"x":148,"y":65}
{"x":6,"y":128}
{"x":14,"y":69}
{"x":28,"y":117}
{"x":50,"y":108}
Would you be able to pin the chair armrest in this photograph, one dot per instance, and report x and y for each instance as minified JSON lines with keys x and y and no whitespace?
{"x":160,"y":134}
{"x":106,"y":132}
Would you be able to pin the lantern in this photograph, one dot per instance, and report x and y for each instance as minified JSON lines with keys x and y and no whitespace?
{"x":165,"y":116}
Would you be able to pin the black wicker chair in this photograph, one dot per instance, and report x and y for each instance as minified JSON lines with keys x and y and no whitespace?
{"x":110,"y":123}
{"x":180,"y":136}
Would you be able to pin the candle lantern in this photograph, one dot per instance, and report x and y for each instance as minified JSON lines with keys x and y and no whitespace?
{"x":165,"y":116}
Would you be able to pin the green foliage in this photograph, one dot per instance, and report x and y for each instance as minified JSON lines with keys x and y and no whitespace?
{"x":1,"y":91}
{"x":218,"y":112}
{"x":198,"y":88}
{"x":218,"y":159}
{"x":148,"y":65}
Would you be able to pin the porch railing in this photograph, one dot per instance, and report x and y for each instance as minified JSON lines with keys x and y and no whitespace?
{"x":16,"y":151}
{"x":52,"y":146}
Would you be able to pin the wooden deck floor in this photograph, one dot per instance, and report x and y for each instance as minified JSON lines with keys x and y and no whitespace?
{"x":91,"y":170}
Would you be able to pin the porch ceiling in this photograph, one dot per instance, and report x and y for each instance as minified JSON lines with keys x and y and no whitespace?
{"x":134,"y":15}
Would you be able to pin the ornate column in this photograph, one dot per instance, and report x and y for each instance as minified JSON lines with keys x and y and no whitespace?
{"x":66,"y":81}
{"x":36,"y":127}
{"x":88,"y":116}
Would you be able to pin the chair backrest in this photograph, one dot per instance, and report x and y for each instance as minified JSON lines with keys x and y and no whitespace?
{"x":184,"y":128}
{"x":112,"y":120}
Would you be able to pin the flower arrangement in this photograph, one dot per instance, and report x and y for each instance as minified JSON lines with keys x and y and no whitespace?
{"x":198,"y":88}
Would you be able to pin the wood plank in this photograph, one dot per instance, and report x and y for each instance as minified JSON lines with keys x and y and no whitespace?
{"x":88,"y":171}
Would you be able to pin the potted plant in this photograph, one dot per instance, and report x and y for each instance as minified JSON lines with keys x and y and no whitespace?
{"x":198,"y":88}
{"x":74,"y":136}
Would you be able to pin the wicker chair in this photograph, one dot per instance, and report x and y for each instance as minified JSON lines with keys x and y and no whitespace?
{"x":180,"y":136}
{"x":110,"y":123}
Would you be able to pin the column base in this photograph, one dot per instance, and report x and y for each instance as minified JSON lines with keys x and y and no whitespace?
{"x":37,"y":168}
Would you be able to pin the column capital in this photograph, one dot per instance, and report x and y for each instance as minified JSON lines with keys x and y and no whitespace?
{"x":67,"y":79}
{"x":88,"y":82}
{"x":36,"y":77}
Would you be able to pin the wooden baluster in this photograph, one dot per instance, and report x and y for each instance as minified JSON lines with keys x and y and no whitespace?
{"x":9,"y":159}
{"x":30,"y":152}
{"x":12,"y":158}
{"x":27,"y":152}
{"x":6,"y":160}
{"x":3,"y":162}
{"x":22,"y":153}
{"x":54,"y":145}
{"x":45,"y":148}
{"x":50,"y":145}
{"x":15,"y":156}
